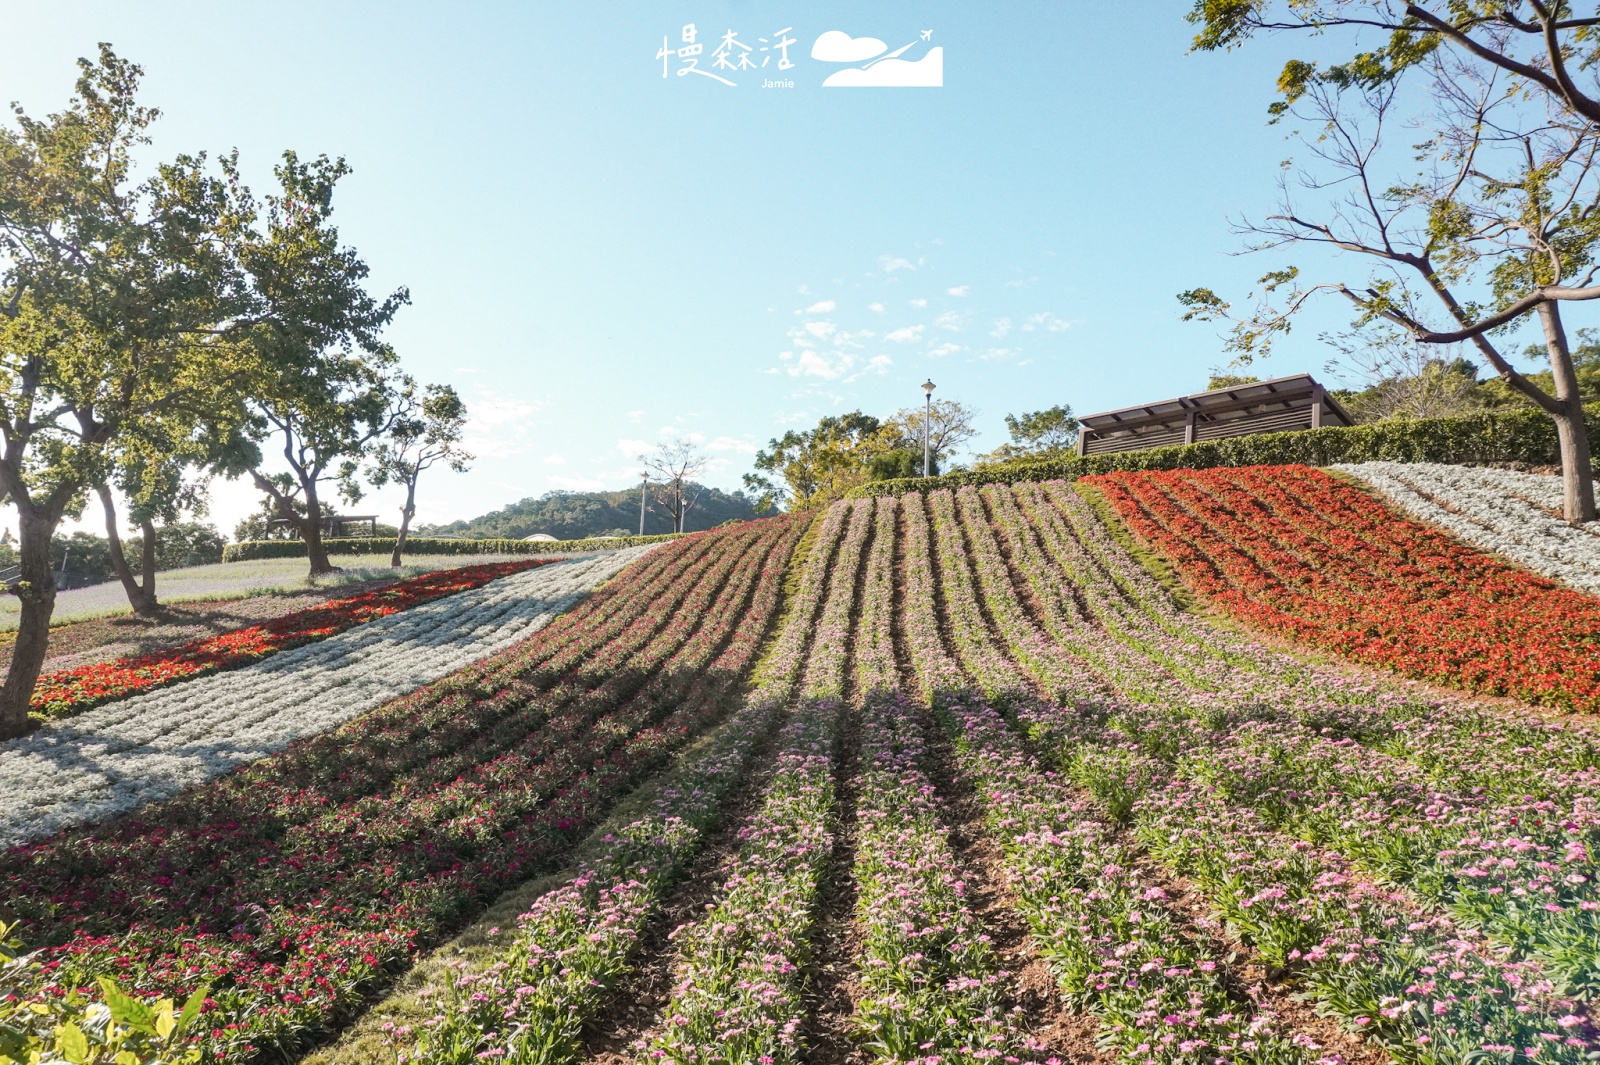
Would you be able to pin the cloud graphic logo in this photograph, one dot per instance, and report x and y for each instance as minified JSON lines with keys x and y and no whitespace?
{"x":837,"y":46}
{"x":927,"y":72}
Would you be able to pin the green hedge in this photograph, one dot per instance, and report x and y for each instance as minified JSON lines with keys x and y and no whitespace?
{"x":1515,"y":435}
{"x":251,"y":550}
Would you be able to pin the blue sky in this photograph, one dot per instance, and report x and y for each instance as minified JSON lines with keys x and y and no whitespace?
{"x":599,"y":256}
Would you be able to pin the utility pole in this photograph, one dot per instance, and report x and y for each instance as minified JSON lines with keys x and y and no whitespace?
{"x":927,"y":422}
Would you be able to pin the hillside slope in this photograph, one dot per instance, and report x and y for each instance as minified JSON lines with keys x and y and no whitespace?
{"x":576,"y":515}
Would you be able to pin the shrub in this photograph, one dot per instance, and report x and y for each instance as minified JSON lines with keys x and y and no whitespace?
{"x":1524,"y":435}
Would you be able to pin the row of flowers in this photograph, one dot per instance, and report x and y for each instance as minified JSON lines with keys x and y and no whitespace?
{"x":531,"y":1002}
{"x":1111,"y":936}
{"x":297,"y":885}
{"x":1296,"y":552}
{"x":1513,"y":514}
{"x":1389,"y":982}
{"x":931,"y":984}
{"x":740,"y":982}
{"x":71,"y":690}
{"x":146,"y":748}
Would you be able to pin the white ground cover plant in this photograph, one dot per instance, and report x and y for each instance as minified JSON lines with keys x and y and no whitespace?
{"x":1502,"y":511}
{"x":236,"y":580}
{"x":150,"y":747}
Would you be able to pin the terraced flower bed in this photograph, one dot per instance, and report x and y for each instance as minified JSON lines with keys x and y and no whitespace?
{"x":1199,"y":848}
{"x":297,"y":885}
{"x":70,"y":690}
{"x":1302,"y":555}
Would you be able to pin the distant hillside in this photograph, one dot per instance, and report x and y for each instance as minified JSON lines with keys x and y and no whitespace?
{"x":575,"y":515}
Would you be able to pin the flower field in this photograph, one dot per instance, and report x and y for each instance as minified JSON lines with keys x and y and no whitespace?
{"x":293,"y":887}
{"x":1211,"y":850}
{"x":70,"y":690}
{"x":1298,"y":553}
{"x":1517,"y":515}
{"x":150,"y":747}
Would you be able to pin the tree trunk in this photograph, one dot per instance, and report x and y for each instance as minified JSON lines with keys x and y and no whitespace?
{"x":147,"y":561}
{"x":311,"y":530}
{"x":1577,"y":471}
{"x":406,"y":513}
{"x":38,"y":597}
{"x":143,"y":599}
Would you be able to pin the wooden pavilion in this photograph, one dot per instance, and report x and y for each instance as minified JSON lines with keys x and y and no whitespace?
{"x":1282,"y":404}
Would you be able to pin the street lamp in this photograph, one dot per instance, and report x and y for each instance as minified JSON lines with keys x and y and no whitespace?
{"x":643,"y":488}
{"x":927,"y":419}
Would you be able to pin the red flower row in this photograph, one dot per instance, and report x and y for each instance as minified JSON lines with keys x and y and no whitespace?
{"x":71,"y":690}
{"x":1302,"y":554}
{"x":299,"y":883}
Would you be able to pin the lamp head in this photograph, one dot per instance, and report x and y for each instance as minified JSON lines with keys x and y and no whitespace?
{"x":927,"y":386}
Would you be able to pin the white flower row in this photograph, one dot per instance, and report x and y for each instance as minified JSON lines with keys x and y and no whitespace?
{"x":149,"y":747}
{"x":1498,"y":510}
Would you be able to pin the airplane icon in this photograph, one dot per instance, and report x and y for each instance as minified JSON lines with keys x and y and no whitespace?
{"x":927,"y":35}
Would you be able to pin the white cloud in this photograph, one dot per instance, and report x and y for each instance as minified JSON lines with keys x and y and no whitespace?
{"x":891,"y":263}
{"x":815,"y":364}
{"x":958,"y":290}
{"x":1001,"y":328}
{"x":555,"y":460}
{"x":636,"y":416}
{"x":837,"y":46}
{"x":1017,"y":283}
{"x":918,"y":303}
{"x":996,"y":354}
{"x":497,"y":426}
{"x":879,"y":364}
{"x":820,"y":329}
{"x":634,"y":448}
{"x":905,"y":334}
{"x":794,"y":417}
{"x":949,"y":320}
{"x":1046,"y":321}
{"x":732,"y":443}
{"x":944,"y":349}
{"x":821,"y":307}
{"x":876,"y":308}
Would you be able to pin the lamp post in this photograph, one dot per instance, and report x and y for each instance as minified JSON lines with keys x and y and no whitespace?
{"x":644,"y":487}
{"x":927,"y":420}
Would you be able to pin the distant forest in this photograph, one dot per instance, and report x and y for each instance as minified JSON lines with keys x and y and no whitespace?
{"x":575,"y":515}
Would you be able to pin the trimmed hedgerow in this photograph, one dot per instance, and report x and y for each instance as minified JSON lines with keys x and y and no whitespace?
{"x":1518,"y":435}
{"x":251,"y":550}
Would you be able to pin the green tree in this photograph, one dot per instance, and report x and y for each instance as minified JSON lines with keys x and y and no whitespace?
{"x":180,"y":544}
{"x":806,"y":469}
{"x":427,"y":432}
{"x":1037,"y":434}
{"x":950,"y":429}
{"x":325,"y":388}
{"x":1484,"y":218}
{"x":1228,"y":380}
{"x":111,"y":295}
